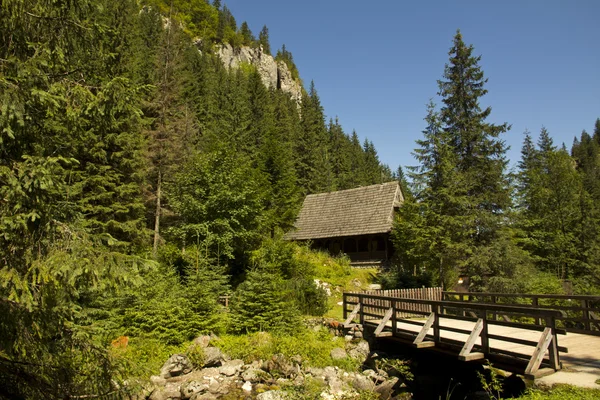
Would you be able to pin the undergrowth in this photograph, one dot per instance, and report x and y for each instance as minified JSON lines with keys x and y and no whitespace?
{"x":313,"y":347}
{"x":562,"y":392}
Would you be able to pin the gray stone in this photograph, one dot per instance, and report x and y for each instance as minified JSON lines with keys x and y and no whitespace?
{"x":190,"y":388}
{"x":207,"y":373}
{"x":230,"y":368}
{"x":360,"y":351}
{"x":253,"y":374}
{"x":280,"y":365}
{"x":358,"y":335}
{"x":362,"y":382}
{"x":329,"y":373}
{"x":386,"y":389}
{"x":338,"y":353}
{"x":247,"y":387}
{"x":157,"y":380}
{"x":169,"y":392}
{"x":177,"y":364}
{"x":204,"y":396}
{"x":202,"y":341}
{"x":272,"y":395}
{"x":348,"y":338}
{"x":213,"y":357}
{"x":336,"y":385}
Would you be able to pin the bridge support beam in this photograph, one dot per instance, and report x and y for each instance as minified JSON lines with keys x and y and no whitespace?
{"x":465,"y":354}
{"x":419,"y":340}
{"x":538,"y":353}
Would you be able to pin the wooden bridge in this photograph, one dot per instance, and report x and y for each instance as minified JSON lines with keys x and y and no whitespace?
{"x":533,"y":335}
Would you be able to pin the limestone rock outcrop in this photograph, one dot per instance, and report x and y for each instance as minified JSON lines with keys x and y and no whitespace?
{"x":274,"y":74}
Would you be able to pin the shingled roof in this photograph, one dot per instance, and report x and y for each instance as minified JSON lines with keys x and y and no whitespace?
{"x":361,"y":211}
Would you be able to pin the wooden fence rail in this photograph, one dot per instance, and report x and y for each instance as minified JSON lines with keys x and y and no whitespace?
{"x":578,"y":314}
{"x":412,"y":309}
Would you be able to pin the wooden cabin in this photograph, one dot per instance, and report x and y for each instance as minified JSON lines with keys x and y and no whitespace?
{"x":356,"y":222}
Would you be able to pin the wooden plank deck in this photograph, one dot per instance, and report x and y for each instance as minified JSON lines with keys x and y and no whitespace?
{"x":582,"y":349}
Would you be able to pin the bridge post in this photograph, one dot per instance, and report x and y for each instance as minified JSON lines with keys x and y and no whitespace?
{"x":485,"y":340}
{"x":534,"y":302}
{"x":435,"y":308}
{"x":345,"y":312}
{"x":585,"y":305}
{"x":393,"y":305}
{"x":361,"y":310}
{"x":553,"y":348}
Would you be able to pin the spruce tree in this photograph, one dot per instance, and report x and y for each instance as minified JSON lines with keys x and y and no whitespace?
{"x":263,"y":39}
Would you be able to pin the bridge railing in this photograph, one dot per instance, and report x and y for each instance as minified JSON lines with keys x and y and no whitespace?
{"x":386,"y":312}
{"x":578,"y":313}
{"x":412,"y":309}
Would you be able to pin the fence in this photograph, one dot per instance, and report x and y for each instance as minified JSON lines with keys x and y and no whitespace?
{"x":411,"y":309}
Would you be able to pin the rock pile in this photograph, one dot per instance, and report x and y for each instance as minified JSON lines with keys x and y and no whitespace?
{"x":265,"y":380}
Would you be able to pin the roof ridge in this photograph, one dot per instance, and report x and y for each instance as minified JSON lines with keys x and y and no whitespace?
{"x":356,"y":188}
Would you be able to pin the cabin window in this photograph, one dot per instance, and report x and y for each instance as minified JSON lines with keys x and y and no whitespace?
{"x":350,"y":246}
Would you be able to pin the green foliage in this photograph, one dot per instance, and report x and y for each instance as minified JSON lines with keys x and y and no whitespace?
{"x":456,"y":222}
{"x":219,"y":204}
{"x":196,"y":356}
{"x":262,"y":302}
{"x":313,"y":346}
{"x":142,"y":357}
{"x":286,"y":56}
{"x":562,"y":392}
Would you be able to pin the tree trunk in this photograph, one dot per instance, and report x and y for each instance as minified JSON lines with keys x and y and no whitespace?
{"x":157,"y":215}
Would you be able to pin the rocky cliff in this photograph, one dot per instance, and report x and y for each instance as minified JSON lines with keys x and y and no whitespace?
{"x":274,"y":74}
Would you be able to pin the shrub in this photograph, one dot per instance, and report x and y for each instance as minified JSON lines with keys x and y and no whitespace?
{"x":262,"y":302}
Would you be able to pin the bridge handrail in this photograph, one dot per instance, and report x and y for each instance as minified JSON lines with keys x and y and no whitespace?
{"x":524,"y":295}
{"x":588,"y":321}
{"x":534,"y":312}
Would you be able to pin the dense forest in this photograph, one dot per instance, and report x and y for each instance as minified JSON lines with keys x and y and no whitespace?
{"x":533,"y":230}
{"x":140,"y":179}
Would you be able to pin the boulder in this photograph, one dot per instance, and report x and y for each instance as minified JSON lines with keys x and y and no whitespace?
{"x":338,"y":353}
{"x":230,"y":368}
{"x":213,"y":357}
{"x":177,"y":364}
{"x":190,"y":388}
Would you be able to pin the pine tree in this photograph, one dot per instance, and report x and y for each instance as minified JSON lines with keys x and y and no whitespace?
{"x":247,"y":37}
{"x":312,"y":147}
{"x":263,"y":39}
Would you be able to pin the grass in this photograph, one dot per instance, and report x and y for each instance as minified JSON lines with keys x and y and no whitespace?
{"x":313,"y":347}
{"x":337,"y":272}
{"x":143,"y":357}
{"x":562,"y":392}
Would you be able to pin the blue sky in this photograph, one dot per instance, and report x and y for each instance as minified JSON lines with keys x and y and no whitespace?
{"x":376,"y":64}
